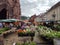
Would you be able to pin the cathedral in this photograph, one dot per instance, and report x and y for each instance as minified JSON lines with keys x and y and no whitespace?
{"x":10,"y":9}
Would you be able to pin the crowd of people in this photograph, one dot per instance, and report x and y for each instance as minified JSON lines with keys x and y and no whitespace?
{"x":9,"y":25}
{"x":28,"y":25}
{"x":20,"y":25}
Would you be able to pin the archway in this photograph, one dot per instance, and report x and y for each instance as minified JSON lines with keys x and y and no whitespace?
{"x":3,"y":14}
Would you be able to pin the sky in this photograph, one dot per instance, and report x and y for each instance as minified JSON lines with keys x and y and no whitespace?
{"x":31,"y":7}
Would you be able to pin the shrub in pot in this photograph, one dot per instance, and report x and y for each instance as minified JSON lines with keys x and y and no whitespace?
{"x":20,"y":34}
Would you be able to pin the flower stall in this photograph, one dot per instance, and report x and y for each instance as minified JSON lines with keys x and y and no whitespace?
{"x":49,"y":34}
{"x":27,"y":43}
{"x":26,"y":32}
{"x":3,"y":30}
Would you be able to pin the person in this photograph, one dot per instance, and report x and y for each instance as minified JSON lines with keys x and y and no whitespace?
{"x":23,"y":26}
{"x":18,"y":27}
{"x":27,"y":26}
{"x":4,"y":25}
{"x":10,"y":25}
{"x":1,"y":25}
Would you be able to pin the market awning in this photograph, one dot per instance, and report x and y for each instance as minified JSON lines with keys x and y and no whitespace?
{"x":9,"y":20}
{"x":48,"y":21}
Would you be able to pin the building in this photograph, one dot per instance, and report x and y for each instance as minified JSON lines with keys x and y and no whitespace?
{"x":10,"y":9}
{"x":32,"y":18}
{"x":54,"y":12}
{"x":40,"y":17}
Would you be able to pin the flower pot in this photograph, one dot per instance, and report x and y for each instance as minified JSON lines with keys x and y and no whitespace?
{"x":31,"y":34}
{"x":56,"y":41}
{"x":20,"y":34}
{"x":4,"y":35}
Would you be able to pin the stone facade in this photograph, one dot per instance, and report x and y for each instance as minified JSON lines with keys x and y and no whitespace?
{"x":10,"y":9}
{"x":32,"y":18}
{"x":53,"y":13}
{"x":40,"y":17}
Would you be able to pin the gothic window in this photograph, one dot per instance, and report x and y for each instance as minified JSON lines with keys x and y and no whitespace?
{"x":3,"y":14}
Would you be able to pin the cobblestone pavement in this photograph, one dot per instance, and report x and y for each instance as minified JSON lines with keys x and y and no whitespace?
{"x":39,"y":40}
{"x":9,"y":40}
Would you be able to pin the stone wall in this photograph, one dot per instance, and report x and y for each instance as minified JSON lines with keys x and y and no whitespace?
{"x":54,"y":12}
{"x":12,"y":7}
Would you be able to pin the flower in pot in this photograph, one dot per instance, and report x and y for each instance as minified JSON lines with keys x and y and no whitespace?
{"x":20,"y":32}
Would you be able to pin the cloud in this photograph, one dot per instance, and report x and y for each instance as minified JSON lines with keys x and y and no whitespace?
{"x":31,"y":1}
{"x":42,"y":8}
{"x":30,"y":7}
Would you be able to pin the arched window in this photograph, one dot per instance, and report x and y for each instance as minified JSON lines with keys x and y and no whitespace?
{"x":3,"y":14}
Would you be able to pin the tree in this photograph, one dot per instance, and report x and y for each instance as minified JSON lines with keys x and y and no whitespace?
{"x":24,"y":17}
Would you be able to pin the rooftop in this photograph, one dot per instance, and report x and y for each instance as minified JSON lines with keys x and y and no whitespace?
{"x":54,"y":6}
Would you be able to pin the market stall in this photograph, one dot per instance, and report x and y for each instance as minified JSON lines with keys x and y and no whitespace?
{"x":48,"y":34}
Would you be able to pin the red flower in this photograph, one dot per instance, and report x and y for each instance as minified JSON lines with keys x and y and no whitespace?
{"x":19,"y":31}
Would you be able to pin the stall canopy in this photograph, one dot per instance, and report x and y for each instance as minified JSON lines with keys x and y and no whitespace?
{"x":48,"y":21}
{"x":9,"y":20}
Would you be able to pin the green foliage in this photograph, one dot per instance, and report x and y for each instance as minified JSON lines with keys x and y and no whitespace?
{"x":49,"y":33}
{"x":17,"y":43}
{"x":58,"y":27}
{"x":23,"y":17}
{"x":4,"y":29}
{"x":26,"y":43}
{"x":26,"y":34}
{"x":31,"y":43}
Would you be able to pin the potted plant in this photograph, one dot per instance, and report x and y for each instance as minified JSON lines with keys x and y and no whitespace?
{"x":57,"y":39}
{"x":17,"y":43}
